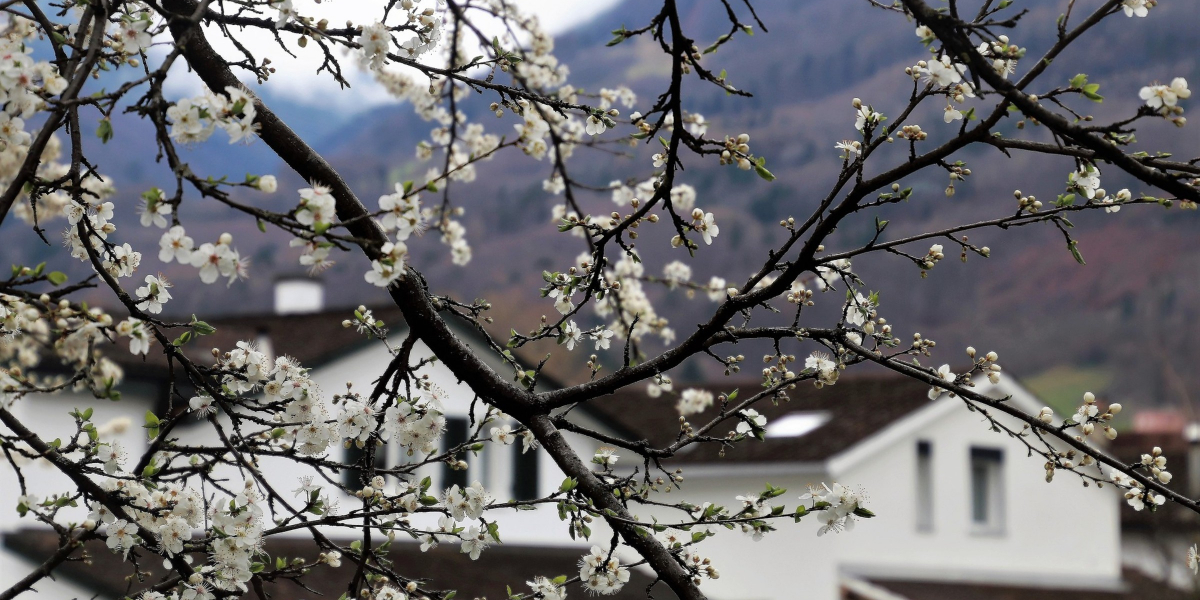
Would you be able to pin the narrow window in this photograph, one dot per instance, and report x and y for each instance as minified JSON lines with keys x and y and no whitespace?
{"x":987,"y":489}
{"x":457,"y":431}
{"x":924,"y":486}
{"x":353,"y":476}
{"x":525,"y":473}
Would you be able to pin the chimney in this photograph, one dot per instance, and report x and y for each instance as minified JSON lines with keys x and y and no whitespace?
{"x":298,"y":295}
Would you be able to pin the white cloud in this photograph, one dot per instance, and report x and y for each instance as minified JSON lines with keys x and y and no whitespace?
{"x":297,"y":80}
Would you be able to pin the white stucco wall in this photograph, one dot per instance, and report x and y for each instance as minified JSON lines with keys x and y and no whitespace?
{"x":1056,"y":535}
{"x":47,"y":416}
{"x":492,"y":467}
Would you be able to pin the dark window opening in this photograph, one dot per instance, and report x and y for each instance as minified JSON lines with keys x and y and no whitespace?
{"x":525,"y":473}
{"x":924,"y":486}
{"x":457,"y":431}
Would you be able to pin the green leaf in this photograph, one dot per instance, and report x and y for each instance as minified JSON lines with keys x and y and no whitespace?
{"x":57,"y":278}
{"x":761,"y":169}
{"x":1073,"y":246}
{"x":568,"y":484}
{"x":105,"y":130}
{"x":202,"y":328}
{"x":152,"y":424}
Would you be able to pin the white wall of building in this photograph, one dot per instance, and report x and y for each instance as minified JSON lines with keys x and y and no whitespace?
{"x":1045,"y":525}
{"x":1055,"y":535}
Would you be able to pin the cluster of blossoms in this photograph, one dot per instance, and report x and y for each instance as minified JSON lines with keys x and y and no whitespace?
{"x":1137,"y":496}
{"x":77,"y":342}
{"x":750,"y":423}
{"x":825,"y":368}
{"x":682,"y":197}
{"x":1157,"y":464}
{"x":470,"y":145}
{"x":1004,"y":56}
{"x":195,"y":119}
{"x":425,"y":23}
{"x":1089,"y":415}
{"x":24,"y":80}
{"x":169,"y":513}
{"x":317,"y":206}
{"x":601,"y":572}
{"x":401,"y":213}
{"x":736,"y":152}
{"x":755,"y":505}
{"x":945,"y":75}
{"x":676,"y":273}
{"x":843,"y":505}
{"x":865,"y":117}
{"x":661,"y":383}
{"x":132,"y":36}
{"x":239,"y":527}
{"x":693,"y":401}
{"x":1164,"y":99}
{"x":216,"y":260}
{"x":1137,"y":8}
{"x":284,"y":385}
{"x":628,"y":296}
{"x":389,"y":266}
{"x":1086,"y":181}
{"x":572,"y":335}
{"x":548,"y":589}
{"x":679,"y":544}
{"x":415,"y":424}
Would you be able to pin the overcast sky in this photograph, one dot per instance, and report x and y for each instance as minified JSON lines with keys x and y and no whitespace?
{"x":295,"y":77}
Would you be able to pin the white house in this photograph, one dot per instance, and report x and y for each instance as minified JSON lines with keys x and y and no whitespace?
{"x":957,"y":504}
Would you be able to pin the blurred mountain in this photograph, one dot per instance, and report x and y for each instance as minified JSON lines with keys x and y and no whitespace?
{"x":1121,"y":325}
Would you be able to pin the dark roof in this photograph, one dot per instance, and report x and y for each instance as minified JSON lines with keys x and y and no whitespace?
{"x":444,"y":567}
{"x":1137,"y":587}
{"x":311,"y":338}
{"x":858,"y":407}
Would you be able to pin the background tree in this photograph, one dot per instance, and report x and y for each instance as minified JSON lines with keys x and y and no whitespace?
{"x":804,"y":309}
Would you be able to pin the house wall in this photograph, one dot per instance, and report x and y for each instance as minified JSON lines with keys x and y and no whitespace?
{"x":1045,"y":525}
{"x":492,"y":468}
{"x":47,"y":416}
{"x":789,"y":564}
{"x":1055,"y":535}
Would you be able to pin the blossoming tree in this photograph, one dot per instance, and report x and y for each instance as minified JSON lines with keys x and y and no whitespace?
{"x":440,"y":55}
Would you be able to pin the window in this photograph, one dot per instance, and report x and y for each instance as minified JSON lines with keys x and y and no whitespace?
{"x":525,"y":473}
{"x":457,"y":432}
{"x":353,"y":477}
{"x":924,"y":486}
{"x":987,"y":490}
